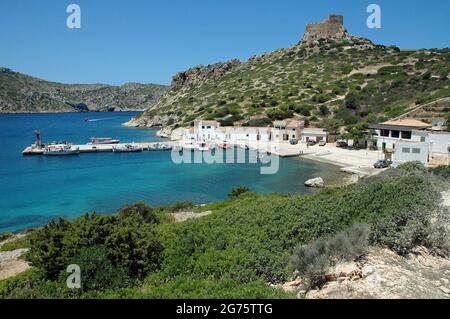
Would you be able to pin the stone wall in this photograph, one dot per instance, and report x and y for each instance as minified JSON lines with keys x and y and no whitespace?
{"x":333,"y":26}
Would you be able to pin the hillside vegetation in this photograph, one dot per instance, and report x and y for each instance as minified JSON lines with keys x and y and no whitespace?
{"x":20,"y":93}
{"x":238,"y":250}
{"x":351,"y":80}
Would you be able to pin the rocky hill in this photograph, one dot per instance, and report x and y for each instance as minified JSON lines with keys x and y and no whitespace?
{"x":329,"y":73}
{"x":20,"y":93}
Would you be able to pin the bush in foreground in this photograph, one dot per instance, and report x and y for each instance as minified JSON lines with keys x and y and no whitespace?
{"x":312,"y":261}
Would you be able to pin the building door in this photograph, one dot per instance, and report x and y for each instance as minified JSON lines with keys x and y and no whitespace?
{"x":383,"y":146}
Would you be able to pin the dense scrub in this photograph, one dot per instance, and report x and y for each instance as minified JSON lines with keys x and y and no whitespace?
{"x":249,"y":240}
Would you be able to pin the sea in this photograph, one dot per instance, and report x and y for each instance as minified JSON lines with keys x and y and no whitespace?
{"x":36,"y":189}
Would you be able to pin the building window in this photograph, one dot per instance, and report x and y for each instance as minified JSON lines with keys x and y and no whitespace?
{"x":416,"y":150}
{"x":422,"y":138}
{"x":406,"y":135}
{"x":203,"y":127}
{"x":208,"y":127}
{"x":395,"y":134}
{"x":384,"y":133}
{"x":406,"y":150}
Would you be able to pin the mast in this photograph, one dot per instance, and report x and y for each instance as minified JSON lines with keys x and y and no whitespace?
{"x":38,"y":138}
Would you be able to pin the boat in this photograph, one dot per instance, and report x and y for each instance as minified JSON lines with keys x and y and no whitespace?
{"x":61,"y":150}
{"x":244,"y":146}
{"x":224,"y":145}
{"x":160,"y":147}
{"x":103,"y":140}
{"x":202,"y":147}
{"x":127,"y":148}
{"x":189,"y":145}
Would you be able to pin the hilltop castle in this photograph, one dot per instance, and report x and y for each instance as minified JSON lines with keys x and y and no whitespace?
{"x":332,"y":27}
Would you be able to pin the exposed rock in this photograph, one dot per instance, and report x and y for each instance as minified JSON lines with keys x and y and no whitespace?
{"x":366,"y":271}
{"x":200,"y":74}
{"x":348,"y":269}
{"x":183,"y":216}
{"x":315,"y":182}
{"x":445,"y":290}
{"x":11,"y":264}
{"x":293,"y":286}
{"x":385,"y":274}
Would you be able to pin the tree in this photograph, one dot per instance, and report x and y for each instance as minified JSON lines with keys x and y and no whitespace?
{"x":323,"y":110}
{"x":332,"y":125}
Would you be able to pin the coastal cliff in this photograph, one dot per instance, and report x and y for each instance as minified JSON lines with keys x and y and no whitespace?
{"x":20,"y":93}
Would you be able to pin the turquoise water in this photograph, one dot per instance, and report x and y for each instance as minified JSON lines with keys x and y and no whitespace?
{"x":36,"y":189}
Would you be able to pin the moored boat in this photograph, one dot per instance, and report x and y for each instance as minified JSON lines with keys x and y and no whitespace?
{"x":224,"y":145}
{"x":160,"y":147}
{"x":127,"y":148}
{"x":61,"y":150}
{"x":104,"y":140}
{"x":189,"y":145}
{"x":202,"y":147}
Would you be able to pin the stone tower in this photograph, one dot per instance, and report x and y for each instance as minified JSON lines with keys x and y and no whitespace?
{"x":332,"y":27}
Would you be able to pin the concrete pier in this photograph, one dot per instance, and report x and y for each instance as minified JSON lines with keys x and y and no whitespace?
{"x":97,"y":148}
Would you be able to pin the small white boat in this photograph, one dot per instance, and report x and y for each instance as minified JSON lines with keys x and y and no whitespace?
{"x":202,"y":147}
{"x":61,"y":150}
{"x":160,"y":147}
{"x":127,"y":148}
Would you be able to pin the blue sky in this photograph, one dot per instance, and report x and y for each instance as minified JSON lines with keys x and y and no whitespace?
{"x":148,"y":41}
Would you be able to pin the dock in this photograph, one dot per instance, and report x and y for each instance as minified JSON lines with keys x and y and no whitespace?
{"x":97,"y":148}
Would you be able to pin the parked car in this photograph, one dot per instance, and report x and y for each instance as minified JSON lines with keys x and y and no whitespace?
{"x":322,"y":143}
{"x":293,"y":141}
{"x":311,"y":142}
{"x":341,"y":144}
{"x":382,"y":164}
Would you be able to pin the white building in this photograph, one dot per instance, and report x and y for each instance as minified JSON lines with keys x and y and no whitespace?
{"x":205,"y":130}
{"x":439,"y":143}
{"x":287,"y":130}
{"x":409,"y":140}
{"x":411,"y":151}
{"x":243,"y":133}
{"x":313,"y":134}
{"x":390,"y":132}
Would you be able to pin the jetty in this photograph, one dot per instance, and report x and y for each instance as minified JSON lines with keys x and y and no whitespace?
{"x":97,"y":148}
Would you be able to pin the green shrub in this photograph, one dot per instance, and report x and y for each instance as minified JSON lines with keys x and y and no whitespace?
{"x":180,"y":206}
{"x":236,"y":192}
{"x":311,"y":262}
{"x":5,"y":236}
{"x":443,"y":171}
{"x":130,"y":242}
{"x":18,"y":243}
{"x":140,"y":209}
{"x":97,"y":271}
{"x":350,"y":244}
{"x":412,"y":167}
{"x":259,"y":122}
